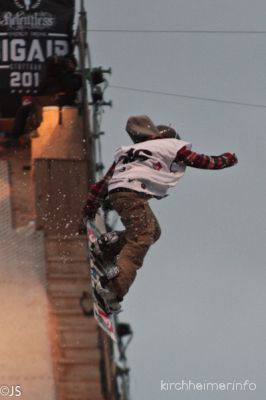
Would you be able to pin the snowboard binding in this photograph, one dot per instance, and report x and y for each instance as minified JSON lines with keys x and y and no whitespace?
{"x":105,"y":297}
{"x":107,"y":247}
{"x":108,"y":271}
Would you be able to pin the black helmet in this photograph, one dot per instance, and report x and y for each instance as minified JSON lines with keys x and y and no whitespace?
{"x":141,"y":128}
{"x":167,"y":132}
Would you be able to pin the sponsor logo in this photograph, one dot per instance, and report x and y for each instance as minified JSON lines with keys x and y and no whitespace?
{"x":27,"y":17}
{"x":27,"y":5}
{"x":21,"y":20}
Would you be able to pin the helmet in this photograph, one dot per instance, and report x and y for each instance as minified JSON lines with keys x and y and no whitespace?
{"x":141,"y":128}
{"x":166,"y":132}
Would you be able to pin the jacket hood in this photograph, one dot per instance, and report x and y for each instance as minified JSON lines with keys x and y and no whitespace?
{"x":141,"y":128}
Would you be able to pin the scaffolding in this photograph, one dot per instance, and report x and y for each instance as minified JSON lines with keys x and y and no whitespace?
{"x":95,"y":77}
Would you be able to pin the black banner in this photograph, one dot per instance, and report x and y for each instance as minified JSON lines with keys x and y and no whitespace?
{"x":31,"y":31}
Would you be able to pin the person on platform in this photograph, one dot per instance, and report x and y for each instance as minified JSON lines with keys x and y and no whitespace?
{"x":59,"y":86}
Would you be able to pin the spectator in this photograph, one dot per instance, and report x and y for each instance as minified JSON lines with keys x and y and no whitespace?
{"x":58,"y":87}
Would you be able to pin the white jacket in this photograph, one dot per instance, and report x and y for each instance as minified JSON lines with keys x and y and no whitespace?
{"x":148,"y":167}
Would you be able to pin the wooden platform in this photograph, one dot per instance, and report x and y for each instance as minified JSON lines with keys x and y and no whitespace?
{"x":49,"y":183}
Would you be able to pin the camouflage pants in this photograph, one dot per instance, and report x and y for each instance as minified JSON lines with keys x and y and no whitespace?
{"x":141,"y":231}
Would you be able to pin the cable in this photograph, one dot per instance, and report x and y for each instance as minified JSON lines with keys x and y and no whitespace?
{"x":189,"y":97}
{"x":185,"y":31}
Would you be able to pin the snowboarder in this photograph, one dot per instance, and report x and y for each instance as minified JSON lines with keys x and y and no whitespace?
{"x":147,"y":169}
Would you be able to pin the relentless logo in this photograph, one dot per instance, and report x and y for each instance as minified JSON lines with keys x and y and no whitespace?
{"x":27,"y":5}
{"x":22,"y":20}
{"x":27,"y":18}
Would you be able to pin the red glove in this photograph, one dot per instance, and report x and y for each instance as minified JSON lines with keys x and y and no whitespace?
{"x":90,"y":210}
{"x":230,"y":159}
{"x":97,"y":193}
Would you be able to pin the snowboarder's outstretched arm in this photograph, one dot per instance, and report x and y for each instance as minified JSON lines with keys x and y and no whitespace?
{"x":195,"y":160}
{"x":97,"y":193}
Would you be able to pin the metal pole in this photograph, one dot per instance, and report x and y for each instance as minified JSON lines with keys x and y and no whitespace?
{"x":87,"y":137}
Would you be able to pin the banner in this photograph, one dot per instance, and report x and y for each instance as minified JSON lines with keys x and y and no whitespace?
{"x":31,"y":31}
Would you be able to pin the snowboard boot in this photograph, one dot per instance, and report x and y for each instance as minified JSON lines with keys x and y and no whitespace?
{"x":107,"y":247}
{"x":107,"y":299}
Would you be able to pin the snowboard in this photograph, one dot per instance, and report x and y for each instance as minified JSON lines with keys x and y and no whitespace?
{"x":104,"y":319}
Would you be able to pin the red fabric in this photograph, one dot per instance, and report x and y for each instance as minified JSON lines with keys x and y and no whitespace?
{"x":97,"y":193}
{"x":26,"y":100}
{"x":195,"y":160}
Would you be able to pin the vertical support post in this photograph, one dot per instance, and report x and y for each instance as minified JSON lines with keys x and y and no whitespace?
{"x":83,"y":52}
